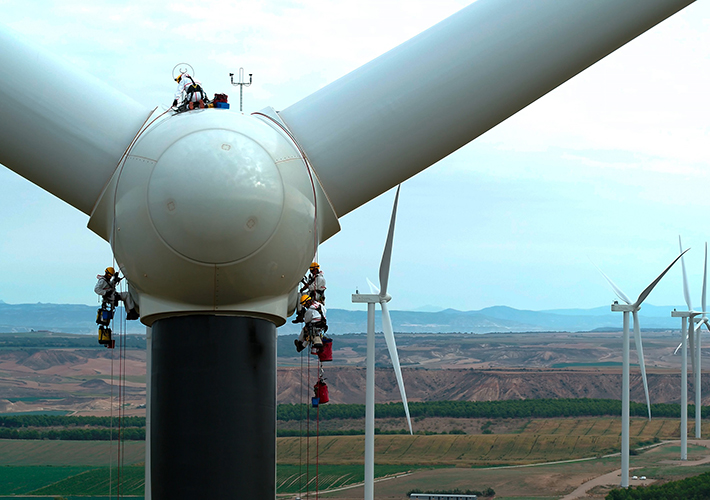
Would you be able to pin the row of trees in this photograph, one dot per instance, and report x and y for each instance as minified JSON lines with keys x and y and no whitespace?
{"x":17,"y":421}
{"x":138,"y":434}
{"x":523,"y":408}
{"x":692,"y":488}
{"x":76,"y":434}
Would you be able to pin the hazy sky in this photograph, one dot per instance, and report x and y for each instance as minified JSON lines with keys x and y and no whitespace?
{"x":611,"y":166}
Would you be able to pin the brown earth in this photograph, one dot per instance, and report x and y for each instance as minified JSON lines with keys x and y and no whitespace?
{"x":435,"y":367}
{"x":346,"y":385}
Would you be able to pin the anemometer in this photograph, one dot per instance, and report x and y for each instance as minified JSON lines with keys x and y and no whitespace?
{"x":241,"y":84}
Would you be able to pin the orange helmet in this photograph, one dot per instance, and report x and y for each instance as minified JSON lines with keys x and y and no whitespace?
{"x":110,"y":271}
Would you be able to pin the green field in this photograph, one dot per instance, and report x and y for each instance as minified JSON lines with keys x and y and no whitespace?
{"x":98,"y":482}
{"x":294,"y":478}
{"x":24,"y":479}
{"x":68,"y":453}
{"x":72,"y":468}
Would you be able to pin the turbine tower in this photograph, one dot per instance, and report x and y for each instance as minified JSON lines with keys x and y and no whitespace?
{"x":214,"y":217}
{"x":698,"y":351}
{"x":380,"y":297}
{"x":625,"y":377}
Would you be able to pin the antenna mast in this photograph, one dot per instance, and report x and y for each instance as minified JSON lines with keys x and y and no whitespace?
{"x":241,"y":84}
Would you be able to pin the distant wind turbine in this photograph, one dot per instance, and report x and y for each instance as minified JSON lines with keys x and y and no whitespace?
{"x":379,"y":297}
{"x":625,"y":393}
{"x":690,"y":332}
{"x":698,"y":354}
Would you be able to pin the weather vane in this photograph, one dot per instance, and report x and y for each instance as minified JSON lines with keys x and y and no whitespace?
{"x":241,"y":84}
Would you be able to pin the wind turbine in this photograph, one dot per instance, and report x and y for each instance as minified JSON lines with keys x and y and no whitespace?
{"x":687,"y":322}
{"x":698,"y":351}
{"x":691,"y":333}
{"x":625,"y":379}
{"x":214,"y":217}
{"x":381,"y":297}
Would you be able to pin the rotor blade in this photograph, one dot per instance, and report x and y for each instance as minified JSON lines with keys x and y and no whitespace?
{"x":678,"y":348}
{"x":705,"y":278}
{"x":642,"y":362}
{"x":616,"y":289}
{"x":387,"y":254}
{"x":67,"y":139}
{"x":653,"y":284}
{"x":373,"y":287}
{"x":686,"y":291}
{"x":392,"y":348}
{"x":402,"y":112}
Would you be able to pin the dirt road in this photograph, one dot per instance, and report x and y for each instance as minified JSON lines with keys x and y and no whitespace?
{"x":614,"y":478}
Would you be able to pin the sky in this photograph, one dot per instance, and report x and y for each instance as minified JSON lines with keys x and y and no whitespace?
{"x":608,"y":168}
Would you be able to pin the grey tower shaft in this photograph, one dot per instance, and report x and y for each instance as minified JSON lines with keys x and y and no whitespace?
{"x":213,"y":408}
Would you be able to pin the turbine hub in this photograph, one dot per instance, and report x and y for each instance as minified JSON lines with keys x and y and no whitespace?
{"x":213,"y":211}
{"x":215,"y":196}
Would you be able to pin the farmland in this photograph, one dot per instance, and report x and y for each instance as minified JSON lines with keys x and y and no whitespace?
{"x":457,"y":446}
{"x":82,"y":467}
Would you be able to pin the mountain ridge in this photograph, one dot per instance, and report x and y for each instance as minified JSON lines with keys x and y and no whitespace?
{"x":80,"y":318}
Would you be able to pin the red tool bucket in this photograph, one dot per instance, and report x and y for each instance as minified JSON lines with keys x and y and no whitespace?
{"x":325,"y":353}
{"x":321,"y":389}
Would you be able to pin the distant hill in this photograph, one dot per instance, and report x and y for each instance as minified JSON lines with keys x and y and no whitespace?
{"x":70,"y":318}
{"x":78,"y":318}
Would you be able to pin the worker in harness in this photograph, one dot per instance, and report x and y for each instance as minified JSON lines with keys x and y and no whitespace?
{"x":189,"y":93}
{"x":315,"y":324}
{"x":106,"y":288}
{"x":313,"y":285}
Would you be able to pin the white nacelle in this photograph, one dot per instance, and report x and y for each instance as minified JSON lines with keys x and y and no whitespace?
{"x":212,"y":211}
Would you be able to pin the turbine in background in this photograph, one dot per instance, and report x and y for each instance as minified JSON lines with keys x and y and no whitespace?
{"x":381,"y":297}
{"x":693,"y":337}
{"x":698,"y":352}
{"x":690,"y":334}
{"x":625,"y":393}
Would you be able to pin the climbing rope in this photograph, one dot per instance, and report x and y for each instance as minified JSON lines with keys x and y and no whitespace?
{"x":316,"y":478}
{"x":121,"y":390}
{"x":308,"y":430}
{"x":110,"y":446}
{"x":317,"y":446}
{"x":300,"y":432}
{"x":118,"y":381}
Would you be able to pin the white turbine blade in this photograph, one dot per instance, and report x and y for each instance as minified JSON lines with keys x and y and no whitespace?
{"x":83,"y":128}
{"x":705,"y":278}
{"x":616,"y":289}
{"x":373,"y":288}
{"x":404,"y":111}
{"x":387,"y":254}
{"x":653,"y":284}
{"x":677,"y":348}
{"x":642,"y":362}
{"x":392,"y":348}
{"x":686,"y":291}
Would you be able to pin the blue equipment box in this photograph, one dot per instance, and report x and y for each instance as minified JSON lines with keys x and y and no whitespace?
{"x":221,"y":105}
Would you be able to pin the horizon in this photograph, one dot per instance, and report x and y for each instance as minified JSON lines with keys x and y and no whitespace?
{"x":416,"y":310}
